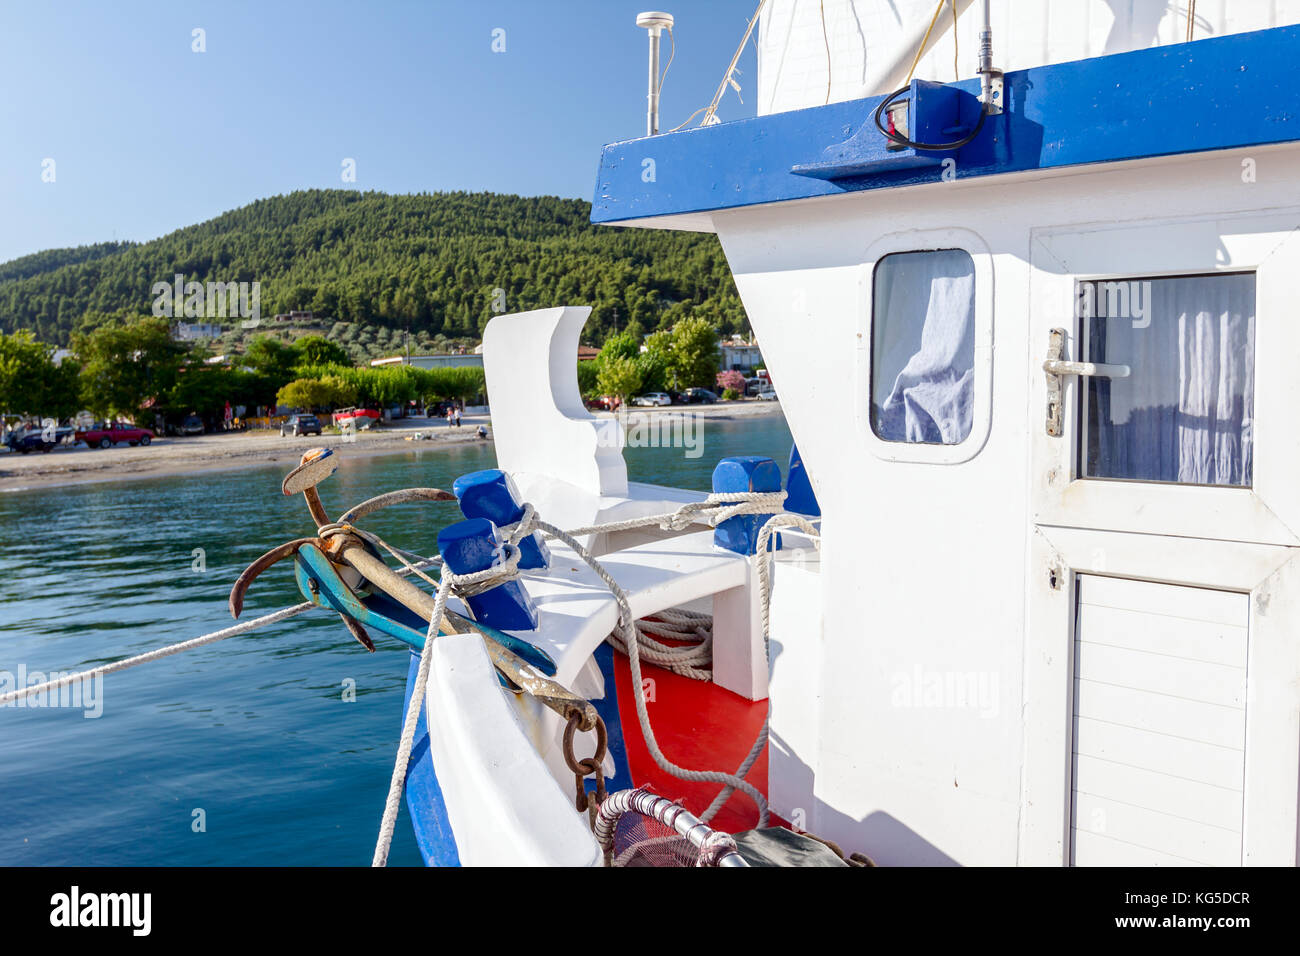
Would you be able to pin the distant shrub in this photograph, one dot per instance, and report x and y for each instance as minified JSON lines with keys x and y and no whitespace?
{"x":731,"y":380}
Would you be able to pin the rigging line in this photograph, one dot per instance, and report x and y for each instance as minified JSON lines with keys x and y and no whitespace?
{"x":731,"y":68}
{"x":826,"y":40}
{"x":956,"y":73}
{"x":1191,"y":19}
{"x":925,"y":39}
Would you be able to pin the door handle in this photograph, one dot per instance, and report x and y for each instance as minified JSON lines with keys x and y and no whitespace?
{"x":1057,"y":367}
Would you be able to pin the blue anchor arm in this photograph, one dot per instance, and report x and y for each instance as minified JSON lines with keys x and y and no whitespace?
{"x":320,"y":583}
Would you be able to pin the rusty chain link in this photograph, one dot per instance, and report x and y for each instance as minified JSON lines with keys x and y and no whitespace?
{"x":587,"y":766}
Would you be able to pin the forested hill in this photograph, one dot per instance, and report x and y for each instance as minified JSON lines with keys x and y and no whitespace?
{"x":430,"y":262}
{"x":51,"y":259}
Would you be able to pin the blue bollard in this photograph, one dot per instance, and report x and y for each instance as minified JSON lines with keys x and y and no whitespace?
{"x":472,"y":545}
{"x":744,"y":473}
{"x":492,"y":494}
{"x":799,"y":495}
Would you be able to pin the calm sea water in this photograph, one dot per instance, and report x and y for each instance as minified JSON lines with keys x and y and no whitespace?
{"x":243,"y":752}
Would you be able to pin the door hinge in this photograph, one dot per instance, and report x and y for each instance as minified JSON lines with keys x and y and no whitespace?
{"x":1057,"y":367}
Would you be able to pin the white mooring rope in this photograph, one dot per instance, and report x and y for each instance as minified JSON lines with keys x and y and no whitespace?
{"x":158,"y":653}
{"x":388,"y":824}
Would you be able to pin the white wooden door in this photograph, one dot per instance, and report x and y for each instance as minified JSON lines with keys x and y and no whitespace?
{"x":1159,"y":724}
{"x":1163,"y":600}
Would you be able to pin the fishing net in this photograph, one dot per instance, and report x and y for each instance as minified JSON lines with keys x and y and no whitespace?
{"x":637,"y":828}
{"x":644,"y":841}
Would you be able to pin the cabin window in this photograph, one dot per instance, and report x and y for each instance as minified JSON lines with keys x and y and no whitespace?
{"x":923,"y":347}
{"x":1184,"y":413}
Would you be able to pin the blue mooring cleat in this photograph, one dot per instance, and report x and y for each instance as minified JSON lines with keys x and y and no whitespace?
{"x":473,"y":545}
{"x":744,"y":473}
{"x":492,"y":494}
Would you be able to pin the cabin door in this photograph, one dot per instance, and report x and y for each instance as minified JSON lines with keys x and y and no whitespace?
{"x":1163,"y":639}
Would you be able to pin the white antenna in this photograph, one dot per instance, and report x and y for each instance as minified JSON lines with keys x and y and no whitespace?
{"x":655,"y":22}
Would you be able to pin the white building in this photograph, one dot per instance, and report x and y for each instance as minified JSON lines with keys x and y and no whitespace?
{"x":739,"y":354}
{"x":466,"y":360}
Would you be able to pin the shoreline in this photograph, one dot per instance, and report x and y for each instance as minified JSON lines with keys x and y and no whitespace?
{"x":230,"y":451}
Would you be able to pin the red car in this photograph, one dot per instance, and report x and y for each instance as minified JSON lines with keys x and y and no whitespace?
{"x":105,"y":436}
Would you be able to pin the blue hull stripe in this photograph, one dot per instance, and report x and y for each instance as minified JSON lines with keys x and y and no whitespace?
{"x":607,"y":707}
{"x":433,"y":833}
{"x":424,"y":800}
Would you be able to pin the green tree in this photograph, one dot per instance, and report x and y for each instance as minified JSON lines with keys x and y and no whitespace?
{"x":125,"y":365}
{"x":587,"y":373}
{"x":316,"y":393}
{"x":318,"y":350}
{"x":30,"y":382}
{"x":695,"y":352}
{"x":621,"y":345}
{"x":619,"y":377}
{"x":271,"y":357}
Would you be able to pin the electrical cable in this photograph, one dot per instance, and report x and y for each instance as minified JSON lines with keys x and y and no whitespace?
{"x":901,"y":140}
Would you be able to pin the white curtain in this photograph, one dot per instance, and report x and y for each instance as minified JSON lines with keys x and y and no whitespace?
{"x":923,"y":365}
{"x":1185,"y":412}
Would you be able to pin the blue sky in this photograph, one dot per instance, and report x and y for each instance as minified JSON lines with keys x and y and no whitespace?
{"x":148,"y":136}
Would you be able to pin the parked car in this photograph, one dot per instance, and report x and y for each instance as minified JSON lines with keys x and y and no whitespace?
{"x":359,"y":418}
{"x":36,"y":438}
{"x":766,"y":394}
{"x":300,"y":425}
{"x":700,"y":396}
{"x":193,"y":425}
{"x":102,"y":435}
{"x":600,"y":403}
{"x":653,"y":398}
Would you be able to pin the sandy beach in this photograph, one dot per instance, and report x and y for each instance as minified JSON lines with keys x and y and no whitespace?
{"x":223,"y":451}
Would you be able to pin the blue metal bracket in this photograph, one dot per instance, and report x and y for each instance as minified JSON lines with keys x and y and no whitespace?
{"x":799,"y":495}
{"x":936,"y":114}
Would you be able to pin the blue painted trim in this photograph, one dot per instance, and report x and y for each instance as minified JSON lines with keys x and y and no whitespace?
{"x":1221,"y":93}
{"x":424,"y":802}
{"x":607,"y":707}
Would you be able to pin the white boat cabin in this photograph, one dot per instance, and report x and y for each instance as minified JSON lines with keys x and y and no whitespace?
{"x":1056,"y":618}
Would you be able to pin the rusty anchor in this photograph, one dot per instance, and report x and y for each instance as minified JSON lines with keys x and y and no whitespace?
{"x":341,"y":570}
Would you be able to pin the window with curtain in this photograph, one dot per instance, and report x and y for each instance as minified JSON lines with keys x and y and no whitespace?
{"x":1184,"y":413}
{"x":923,"y":347}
